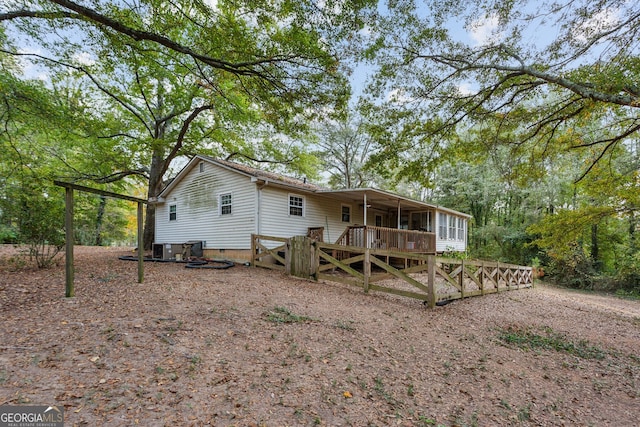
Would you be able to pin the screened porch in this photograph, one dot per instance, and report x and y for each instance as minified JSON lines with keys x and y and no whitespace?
{"x":373,"y":237}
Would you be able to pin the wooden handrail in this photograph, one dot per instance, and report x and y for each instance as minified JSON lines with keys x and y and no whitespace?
{"x":446,"y":278}
{"x":388,"y":238}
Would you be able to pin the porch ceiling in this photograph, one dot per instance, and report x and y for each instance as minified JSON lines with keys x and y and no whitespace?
{"x":376,"y":198}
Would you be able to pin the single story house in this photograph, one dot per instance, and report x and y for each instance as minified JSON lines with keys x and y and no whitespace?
{"x":222,"y":203}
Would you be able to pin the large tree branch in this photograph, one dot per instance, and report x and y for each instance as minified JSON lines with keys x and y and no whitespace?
{"x":37,"y":14}
{"x":183,"y":132}
{"x":83,"y":70}
{"x":585,"y":90}
{"x":254,"y":67}
{"x":99,"y":179}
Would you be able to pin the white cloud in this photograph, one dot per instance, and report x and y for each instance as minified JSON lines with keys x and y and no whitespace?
{"x":83,"y":58}
{"x":29,"y":69}
{"x":213,"y":4}
{"x":600,"y":21}
{"x":398,"y":96}
{"x":465,"y":89}
{"x":336,"y":8}
{"x":486,"y":30}
{"x":368,"y":31}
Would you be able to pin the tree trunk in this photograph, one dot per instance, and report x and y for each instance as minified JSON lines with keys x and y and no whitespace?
{"x":633,"y":239}
{"x":156,"y":172}
{"x":595,"y":255}
{"x":160,"y":159}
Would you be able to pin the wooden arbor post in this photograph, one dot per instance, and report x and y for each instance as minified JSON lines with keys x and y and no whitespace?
{"x":68,"y":223}
{"x":140,"y":243}
{"x":68,"y":240}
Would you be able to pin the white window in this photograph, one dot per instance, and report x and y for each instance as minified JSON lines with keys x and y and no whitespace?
{"x":346,"y":213}
{"x":442,"y":226}
{"x":461,"y":229}
{"x":225,"y":204}
{"x":296,"y":205}
{"x":173,"y":212}
{"x":452,"y":227}
{"x":201,"y":166}
{"x":427,"y":222}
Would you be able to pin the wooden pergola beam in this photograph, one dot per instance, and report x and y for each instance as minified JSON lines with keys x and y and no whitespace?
{"x":98,"y":191}
{"x":68,"y":221}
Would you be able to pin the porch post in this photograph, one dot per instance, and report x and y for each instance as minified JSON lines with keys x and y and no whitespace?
{"x":365,"y":237}
{"x":399,"y":222}
{"x":68,"y":256}
{"x":365,"y":209}
{"x":431,"y":283}
{"x":140,"y":243}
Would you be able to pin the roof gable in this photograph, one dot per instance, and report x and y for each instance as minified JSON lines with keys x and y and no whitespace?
{"x":258,"y":174}
{"x":264,"y":175}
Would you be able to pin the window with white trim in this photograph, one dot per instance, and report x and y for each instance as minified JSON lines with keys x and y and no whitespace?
{"x":461,"y":229}
{"x":296,"y":205}
{"x":201,"y":166}
{"x":442,"y":226}
{"x":173,"y":212}
{"x":452,"y":227}
{"x":346,"y":213}
{"x":225,"y":204}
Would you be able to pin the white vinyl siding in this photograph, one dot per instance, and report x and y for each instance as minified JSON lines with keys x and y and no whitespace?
{"x":452,"y":232}
{"x":197,"y":196}
{"x":319,"y":211}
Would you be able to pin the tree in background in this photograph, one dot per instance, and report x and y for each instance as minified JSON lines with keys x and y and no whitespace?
{"x":30,"y":212}
{"x":545,"y":93}
{"x":344,"y":148}
{"x":40,"y":141}
{"x":592,"y":237}
{"x":173,"y":79}
{"x":547,"y":115}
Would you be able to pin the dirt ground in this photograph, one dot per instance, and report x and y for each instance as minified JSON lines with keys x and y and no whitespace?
{"x":250,"y":347}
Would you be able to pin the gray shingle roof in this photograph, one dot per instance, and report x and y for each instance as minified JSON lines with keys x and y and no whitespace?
{"x":261,"y":174}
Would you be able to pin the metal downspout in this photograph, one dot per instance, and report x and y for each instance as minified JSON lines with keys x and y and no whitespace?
{"x":259,"y":210}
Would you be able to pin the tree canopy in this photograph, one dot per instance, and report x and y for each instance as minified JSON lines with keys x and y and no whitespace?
{"x":542,"y":78}
{"x":526,"y":115}
{"x":162,"y":79}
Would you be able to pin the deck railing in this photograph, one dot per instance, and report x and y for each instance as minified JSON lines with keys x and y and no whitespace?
{"x":371,"y":237}
{"x":424,"y":276}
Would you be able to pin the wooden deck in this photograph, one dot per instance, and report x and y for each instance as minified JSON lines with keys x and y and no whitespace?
{"x":392,"y":239}
{"x":425,"y":276}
